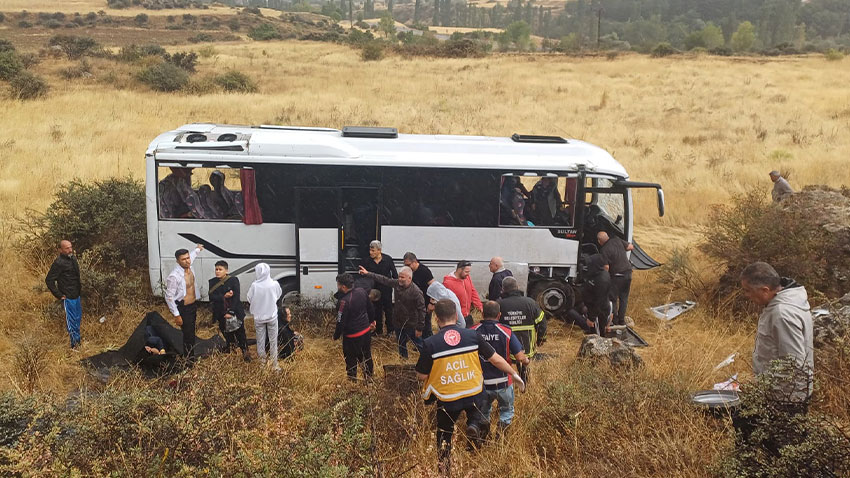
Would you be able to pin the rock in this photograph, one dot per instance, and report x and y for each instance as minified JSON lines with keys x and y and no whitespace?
{"x":615,"y":351}
{"x":831,"y":326}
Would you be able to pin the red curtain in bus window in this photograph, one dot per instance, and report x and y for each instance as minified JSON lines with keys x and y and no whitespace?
{"x":249,"y":197}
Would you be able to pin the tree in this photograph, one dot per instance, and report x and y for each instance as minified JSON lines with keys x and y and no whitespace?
{"x":387,"y":25}
{"x":712,"y":36}
{"x":520,"y":34}
{"x":744,"y":36}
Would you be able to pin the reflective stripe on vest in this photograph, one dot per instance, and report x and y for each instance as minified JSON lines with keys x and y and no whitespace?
{"x":455,"y":374}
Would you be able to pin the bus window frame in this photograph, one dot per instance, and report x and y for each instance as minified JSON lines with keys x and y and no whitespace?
{"x":595,"y":190}
{"x":192,"y":165}
{"x":546,"y":174}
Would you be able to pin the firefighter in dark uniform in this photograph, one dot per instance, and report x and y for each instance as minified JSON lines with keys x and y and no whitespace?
{"x":497,"y":384}
{"x":525,"y":317}
{"x":450,"y":366}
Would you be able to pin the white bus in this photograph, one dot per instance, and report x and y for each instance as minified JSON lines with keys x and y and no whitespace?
{"x":308,"y":201}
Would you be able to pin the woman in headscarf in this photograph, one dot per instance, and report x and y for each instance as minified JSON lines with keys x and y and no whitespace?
{"x":223,"y":203}
{"x":437,"y":291}
{"x":263,"y":296}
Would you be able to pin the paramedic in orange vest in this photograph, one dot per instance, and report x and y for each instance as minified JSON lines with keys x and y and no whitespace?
{"x":450,"y":366}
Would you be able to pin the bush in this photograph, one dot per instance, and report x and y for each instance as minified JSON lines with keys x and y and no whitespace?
{"x":24,"y":24}
{"x":265,"y":31}
{"x":27,"y":86}
{"x":372,"y":51}
{"x":462,"y":48}
{"x":233,"y":24}
{"x":6,"y":45}
{"x":141,"y":19}
{"x":796,"y":237}
{"x":234,"y":81}
{"x":201,"y":37}
{"x":79,"y":71}
{"x":663,"y":49}
{"x":202,"y":86}
{"x":2,"y":17}
{"x":73,"y":46}
{"x":252,"y":11}
{"x":721,"y":51}
{"x":164,"y":77}
{"x":833,"y":55}
{"x":782,"y":443}
{"x":104,"y":217}
{"x":132,"y":53}
{"x":10,"y":65}
{"x":183,"y":59}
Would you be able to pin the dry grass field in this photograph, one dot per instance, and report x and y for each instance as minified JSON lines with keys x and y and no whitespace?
{"x":707,"y":128}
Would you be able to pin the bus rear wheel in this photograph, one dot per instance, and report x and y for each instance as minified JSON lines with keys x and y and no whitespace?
{"x":289,"y":287}
{"x":554,"y":297}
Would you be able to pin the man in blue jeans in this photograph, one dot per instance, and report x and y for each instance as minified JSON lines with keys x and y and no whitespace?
{"x":497,"y":384}
{"x":63,"y":280}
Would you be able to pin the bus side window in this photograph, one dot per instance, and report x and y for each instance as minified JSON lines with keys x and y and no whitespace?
{"x":200,"y":193}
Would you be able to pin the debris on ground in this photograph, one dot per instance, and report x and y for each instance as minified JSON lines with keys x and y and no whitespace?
{"x":615,"y":351}
{"x":672,"y":310}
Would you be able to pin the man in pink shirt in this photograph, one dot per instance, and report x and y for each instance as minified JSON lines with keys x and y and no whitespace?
{"x":460,"y":283}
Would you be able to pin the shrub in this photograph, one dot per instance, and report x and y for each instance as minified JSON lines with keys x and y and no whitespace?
{"x":2,"y":17}
{"x":27,"y":86}
{"x":105,"y":217}
{"x":782,"y":443}
{"x":833,"y":55}
{"x":73,"y":46}
{"x":201,"y":37}
{"x":372,"y":51}
{"x":79,"y":71}
{"x":663,"y":49}
{"x":6,"y":45}
{"x":721,"y":51}
{"x":252,"y":11}
{"x":164,"y":77}
{"x":141,"y":19}
{"x":265,"y":31}
{"x":795,"y":237}
{"x":462,"y":48}
{"x":53,"y":24}
{"x":358,"y":37}
{"x":202,"y":86}
{"x":234,"y":81}
{"x":183,"y":59}
{"x":131,"y":53}
{"x":10,"y":65}
{"x":208,"y":51}
{"x":24,"y":24}
{"x":233,"y":24}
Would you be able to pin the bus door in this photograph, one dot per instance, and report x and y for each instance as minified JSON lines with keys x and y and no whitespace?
{"x":318,"y":227}
{"x":360,"y":225}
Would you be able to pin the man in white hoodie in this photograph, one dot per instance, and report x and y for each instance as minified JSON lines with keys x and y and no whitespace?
{"x":263,"y":296}
{"x":784,"y":330}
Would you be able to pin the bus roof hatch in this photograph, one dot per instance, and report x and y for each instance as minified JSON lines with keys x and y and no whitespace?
{"x":531,"y":138}
{"x":369,"y":132}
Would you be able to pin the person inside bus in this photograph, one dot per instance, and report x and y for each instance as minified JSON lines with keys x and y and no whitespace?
{"x":515,"y":215}
{"x":223,"y":203}
{"x":545,"y":202}
{"x":177,"y":199}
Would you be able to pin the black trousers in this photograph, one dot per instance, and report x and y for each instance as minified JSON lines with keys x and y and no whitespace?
{"x":427,"y":332}
{"x":384,"y":311}
{"x":189,"y":313}
{"x":446,"y":428}
{"x":358,"y":350}
{"x":620,"y":286}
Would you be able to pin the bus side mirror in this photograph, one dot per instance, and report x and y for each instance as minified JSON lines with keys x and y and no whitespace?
{"x":660,"y":202}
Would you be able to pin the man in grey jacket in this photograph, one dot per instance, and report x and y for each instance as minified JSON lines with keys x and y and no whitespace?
{"x":781,"y":189}
{"x":784,"y":330}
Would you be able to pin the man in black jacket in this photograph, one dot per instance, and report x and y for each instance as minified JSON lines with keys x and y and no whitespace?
{"x":63,"y":280}
{"x":226,"y":303}
{"x":382,"y":264}
{"x":354,"y":326}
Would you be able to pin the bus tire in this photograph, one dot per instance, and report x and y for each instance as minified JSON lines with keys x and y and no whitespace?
{"x":289,"y":287}
{"x":554,"y":297}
